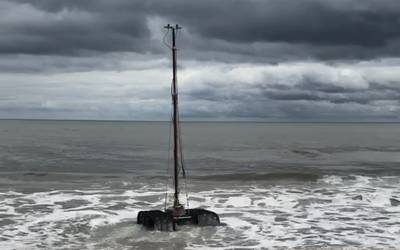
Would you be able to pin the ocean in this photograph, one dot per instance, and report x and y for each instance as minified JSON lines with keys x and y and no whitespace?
{"x":80,"y":184}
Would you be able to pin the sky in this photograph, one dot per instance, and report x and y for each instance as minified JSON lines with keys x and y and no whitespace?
{"x":264,"y":60}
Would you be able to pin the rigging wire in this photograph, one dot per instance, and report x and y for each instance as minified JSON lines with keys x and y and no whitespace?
{"x":163,"y":40}
{"x":169,"y":139}
{"x":180,"y":145}
{"x":169,"y":163}
{"x":182,"y":160}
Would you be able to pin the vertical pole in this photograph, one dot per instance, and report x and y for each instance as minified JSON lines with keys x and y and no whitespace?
{"x":175,"y":119}
{"x":175,"y":115}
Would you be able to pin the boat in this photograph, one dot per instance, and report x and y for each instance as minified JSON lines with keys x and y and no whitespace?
{"x":177,"y":215}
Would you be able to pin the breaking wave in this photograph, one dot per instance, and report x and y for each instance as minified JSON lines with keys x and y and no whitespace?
{"x":330,"y":211}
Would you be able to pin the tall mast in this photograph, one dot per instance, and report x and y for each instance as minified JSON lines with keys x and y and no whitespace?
{"x":174,"y":93}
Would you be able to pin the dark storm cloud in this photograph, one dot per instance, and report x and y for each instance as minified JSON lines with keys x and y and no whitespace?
{"x":286,"y":30}
{"x":366,"y":23}
{"x":324,"y":29}
{"x":58,"y":27}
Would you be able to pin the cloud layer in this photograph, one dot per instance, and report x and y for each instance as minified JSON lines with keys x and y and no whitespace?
{"x":272,"y":60}
{"x":326,"y":29}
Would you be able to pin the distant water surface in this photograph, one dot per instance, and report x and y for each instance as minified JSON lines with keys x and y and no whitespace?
{"x":80,"y":184}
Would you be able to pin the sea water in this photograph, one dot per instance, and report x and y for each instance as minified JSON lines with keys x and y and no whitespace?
{"x":80,"y":184}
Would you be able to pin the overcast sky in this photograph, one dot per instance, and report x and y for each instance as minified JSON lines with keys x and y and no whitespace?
{"x":273,"y":60}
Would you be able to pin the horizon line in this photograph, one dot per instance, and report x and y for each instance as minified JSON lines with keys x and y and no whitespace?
{"x":190,"y":120}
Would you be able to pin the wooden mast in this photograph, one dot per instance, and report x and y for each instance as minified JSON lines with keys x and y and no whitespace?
{"x":174,"y":93}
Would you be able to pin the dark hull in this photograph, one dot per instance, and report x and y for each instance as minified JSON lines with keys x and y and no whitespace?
{"x":165,"y":221}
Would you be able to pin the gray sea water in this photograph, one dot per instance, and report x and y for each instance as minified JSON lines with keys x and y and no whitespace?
{"x":80,"y":184}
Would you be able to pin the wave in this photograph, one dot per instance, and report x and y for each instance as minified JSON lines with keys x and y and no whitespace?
{"x":294,"y":176}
